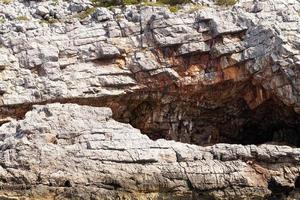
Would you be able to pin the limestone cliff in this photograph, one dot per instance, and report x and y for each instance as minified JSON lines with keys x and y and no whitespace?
{"x":205,"y":75}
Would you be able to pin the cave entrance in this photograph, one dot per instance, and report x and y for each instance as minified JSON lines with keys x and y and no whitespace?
{"x":187,"y":120}
{"x":219,"y":117}
{"x":271,"y":122}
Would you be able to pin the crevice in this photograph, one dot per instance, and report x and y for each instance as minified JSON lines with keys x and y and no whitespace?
{"x":278,"y":191}
{"x":67,"y":184}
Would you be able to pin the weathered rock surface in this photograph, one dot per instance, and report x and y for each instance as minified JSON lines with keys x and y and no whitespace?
{"x":204,"y":75}
{"x":79,"y":152}
{"x":234,"y":63}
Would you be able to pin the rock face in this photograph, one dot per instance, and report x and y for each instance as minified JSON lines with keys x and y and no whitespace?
{"x":205,"y":75}
{"x":79,"y":152}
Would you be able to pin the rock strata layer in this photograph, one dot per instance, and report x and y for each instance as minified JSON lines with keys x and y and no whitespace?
{"x":67,"y":151}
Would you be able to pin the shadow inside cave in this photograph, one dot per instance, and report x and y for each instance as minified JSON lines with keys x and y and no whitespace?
{"x":183,"y":119}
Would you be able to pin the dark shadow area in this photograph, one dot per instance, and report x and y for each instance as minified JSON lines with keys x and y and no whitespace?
{"x":272,"y":122}
{"x":279,"y":192}
{"x":67,"y":183}
{"x":184,"y":119}
{"x":297,"y":183}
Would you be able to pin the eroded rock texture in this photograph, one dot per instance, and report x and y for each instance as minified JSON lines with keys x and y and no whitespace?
{"x":204,"y":75}
{"x":79,"y":152}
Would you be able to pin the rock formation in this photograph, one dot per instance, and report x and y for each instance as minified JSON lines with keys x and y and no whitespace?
{"x":69,"y":151}
{"x":205,"y":75}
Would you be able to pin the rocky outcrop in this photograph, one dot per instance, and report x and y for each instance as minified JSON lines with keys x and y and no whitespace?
{"x":206,"y":75}
{"x":68,"y":151}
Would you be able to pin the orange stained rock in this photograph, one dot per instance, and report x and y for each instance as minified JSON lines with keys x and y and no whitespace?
{"x":256,"y":97}
{"x":120,"y":62}
{"x":232,"y":73}
{"x":194,"y":70}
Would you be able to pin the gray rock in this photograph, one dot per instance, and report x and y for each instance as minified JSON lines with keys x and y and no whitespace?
{"x":42,"y":11}
{"x":193,"y":47}
{"x":145,"y":62}
{"x":78,"y":5}
{"x":193,"y":76}
{"x":229,"y":47}
{"x":103,"y":14}
{"x":108,"y":51}
{"x":3,"y":61}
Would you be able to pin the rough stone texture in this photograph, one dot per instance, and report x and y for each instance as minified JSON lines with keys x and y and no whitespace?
{"x":257,"y":39}
{"x":173,"y":68}
{"x":79,"y":152}
{"x":204,"y":75}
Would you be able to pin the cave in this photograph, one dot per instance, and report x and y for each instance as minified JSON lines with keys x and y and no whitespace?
{"x":197,"y":119}
{"x":218,"y":114}
{"x":185,"y":119}
{"x":271,"y":122}
{"x":265,"y":124}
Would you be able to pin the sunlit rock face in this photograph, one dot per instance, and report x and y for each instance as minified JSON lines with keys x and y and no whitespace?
{"x":204,"y":75}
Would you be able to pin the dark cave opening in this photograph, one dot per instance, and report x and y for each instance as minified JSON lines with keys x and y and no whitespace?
{"x":280,"y":192}
{"x":277,"y":132}
{"x":186,"y":120}
{"x":297,"y":183}
{"x":271,"y":122}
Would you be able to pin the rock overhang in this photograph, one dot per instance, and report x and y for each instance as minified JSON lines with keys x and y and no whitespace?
{"x":202,"y":76}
